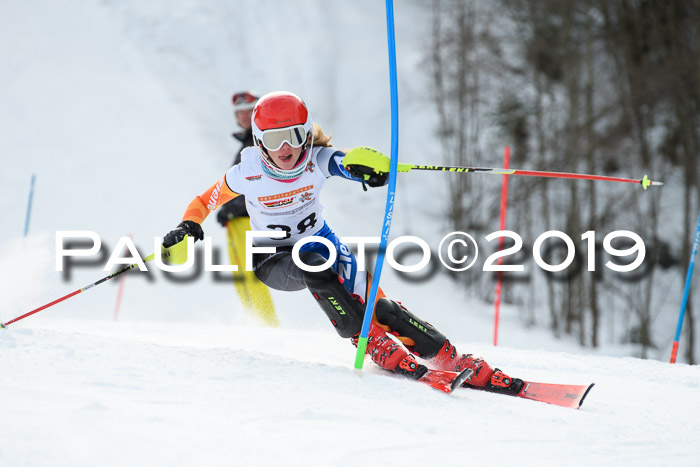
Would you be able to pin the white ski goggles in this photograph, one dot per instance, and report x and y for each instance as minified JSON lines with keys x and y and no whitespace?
{"x":275,"y":138}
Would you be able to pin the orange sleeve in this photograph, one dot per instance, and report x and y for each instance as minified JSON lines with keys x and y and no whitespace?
{"x":200,"y":207}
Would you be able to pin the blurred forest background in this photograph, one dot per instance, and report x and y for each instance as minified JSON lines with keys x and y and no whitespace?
{"x":609,"y":87}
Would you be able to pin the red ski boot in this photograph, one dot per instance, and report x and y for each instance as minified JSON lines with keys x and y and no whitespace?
{"x":483,"y":376}
{"x":504,"y":384}
{"x":426,"y":341}
{"x":390,"y":354}
{"x":393,"y":356}
{"x":448,"y":359}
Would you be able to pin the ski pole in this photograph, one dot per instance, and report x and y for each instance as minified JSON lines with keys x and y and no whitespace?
{"x":686,"y":292}
{"x":65,"y":297}
{"x":388,"y":211}
{"x":645,"y":182}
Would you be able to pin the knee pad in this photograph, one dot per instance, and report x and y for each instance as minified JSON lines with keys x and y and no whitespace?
{"x":345,"y":311}
{"x":428,"y":340}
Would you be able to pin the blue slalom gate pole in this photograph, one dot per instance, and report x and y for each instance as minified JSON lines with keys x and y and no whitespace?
{"x":686,"y":292}
{"x":29,"y":206}
{"x":386,"y":226}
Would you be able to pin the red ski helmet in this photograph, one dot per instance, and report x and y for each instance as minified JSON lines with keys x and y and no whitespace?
{"x":282,"y":117}
{"x":244,"y":100}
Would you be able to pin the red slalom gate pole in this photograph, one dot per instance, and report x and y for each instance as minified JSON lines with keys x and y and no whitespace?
{"x":120,"y":292}
{"x":501,"y":241}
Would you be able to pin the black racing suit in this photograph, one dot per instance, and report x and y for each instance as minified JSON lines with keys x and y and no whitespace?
{"x":236,"y":207}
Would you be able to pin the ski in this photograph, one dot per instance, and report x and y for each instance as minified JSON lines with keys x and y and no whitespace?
{"x":563,"y":395}
{"x":445,"y":381}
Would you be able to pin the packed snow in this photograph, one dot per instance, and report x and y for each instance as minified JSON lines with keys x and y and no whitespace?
{"x":127,"y":393}
{"x":122,"y":111}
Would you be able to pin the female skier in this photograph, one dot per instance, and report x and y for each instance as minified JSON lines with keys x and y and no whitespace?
{"x":281,"y":177}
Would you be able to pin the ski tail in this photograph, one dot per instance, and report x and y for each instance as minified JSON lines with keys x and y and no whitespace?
{"x":580,"y":402}
{"x":445,"y":381}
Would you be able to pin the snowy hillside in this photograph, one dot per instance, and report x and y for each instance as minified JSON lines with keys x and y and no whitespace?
{"x":114,"y":394}
{"x":122,"y":111}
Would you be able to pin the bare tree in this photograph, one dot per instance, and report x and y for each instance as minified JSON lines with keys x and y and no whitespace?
{"x":592,"y":85}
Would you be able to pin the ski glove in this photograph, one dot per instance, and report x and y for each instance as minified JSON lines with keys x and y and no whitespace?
{"x":369,"y":165}
{"x":176,"y":235}
{"x":368,"y":175}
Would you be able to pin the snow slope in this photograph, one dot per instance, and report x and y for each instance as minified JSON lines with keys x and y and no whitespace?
{"x":121,"y":110}
{"x":85,"y":393}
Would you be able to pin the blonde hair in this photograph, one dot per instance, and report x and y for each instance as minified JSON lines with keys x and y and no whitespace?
{"x":320,"y":138}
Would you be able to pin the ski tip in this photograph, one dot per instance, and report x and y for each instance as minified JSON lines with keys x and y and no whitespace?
{"x":461,"y":378}
{"x":580,"y":402}
{"x":2,"y":326}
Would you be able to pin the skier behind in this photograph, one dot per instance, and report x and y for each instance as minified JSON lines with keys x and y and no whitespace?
{"x":281,"y":177}
{"x":243,"y":104}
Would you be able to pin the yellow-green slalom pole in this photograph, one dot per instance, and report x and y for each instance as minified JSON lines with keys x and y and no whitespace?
{"x":645,"y":182}
{"x":359,"y":156}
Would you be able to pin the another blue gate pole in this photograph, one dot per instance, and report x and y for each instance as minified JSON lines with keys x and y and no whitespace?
{"x":686,"y":292}
{"x":391,"y":194}
{"x":29,"y":206}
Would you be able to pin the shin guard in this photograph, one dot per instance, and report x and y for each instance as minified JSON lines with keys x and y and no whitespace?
{"x":343,"y":309}
{"x":427,"y":340}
